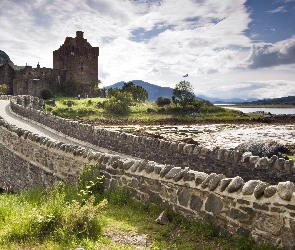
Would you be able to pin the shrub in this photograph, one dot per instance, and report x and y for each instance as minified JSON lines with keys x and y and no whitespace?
{"x":163,"y":101}
{"x":46,"y":94}
{"x":161,"y":110}
{"x":68,"y":103}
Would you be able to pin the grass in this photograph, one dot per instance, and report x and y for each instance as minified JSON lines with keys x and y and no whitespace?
{"x":68,"y":217}
{"x":90,"y":109}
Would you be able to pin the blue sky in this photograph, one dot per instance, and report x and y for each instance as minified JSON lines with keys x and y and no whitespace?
{"x":229,"y":48}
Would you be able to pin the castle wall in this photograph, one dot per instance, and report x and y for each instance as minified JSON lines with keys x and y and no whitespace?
{"x":7,"y":75}
{"x":31,"y":81}
{"x":253,"y":208}
{"x":222,"y":161}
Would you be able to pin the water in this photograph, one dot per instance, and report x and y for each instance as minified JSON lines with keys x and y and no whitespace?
{"x":275,"y":111}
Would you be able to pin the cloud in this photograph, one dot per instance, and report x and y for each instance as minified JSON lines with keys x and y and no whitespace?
{"x":269,"y":55}
{"x":255,"y":89}
{"x":280,"y":9}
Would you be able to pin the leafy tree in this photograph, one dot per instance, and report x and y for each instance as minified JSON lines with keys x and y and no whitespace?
{"x":3,"y":89}
{"x":183,"y":93}
{"x":113,"y":92}
{"x":139,"y":94}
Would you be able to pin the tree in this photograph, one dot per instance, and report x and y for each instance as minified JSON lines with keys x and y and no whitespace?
{"x":183,"y":93}
{"x":3,"y":89}
{"x":139,"y":94}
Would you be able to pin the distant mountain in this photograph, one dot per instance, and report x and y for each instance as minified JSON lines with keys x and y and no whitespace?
{"x":289,"y":100}
{"x":229,"y":101}
{"x":154,"y":91}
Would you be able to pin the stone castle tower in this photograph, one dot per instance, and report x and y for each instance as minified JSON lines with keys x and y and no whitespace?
{"x":75,"y":60}
{"x":79,"y":59}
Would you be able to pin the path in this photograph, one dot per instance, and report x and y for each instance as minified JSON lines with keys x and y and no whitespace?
{"x":41,"y":130}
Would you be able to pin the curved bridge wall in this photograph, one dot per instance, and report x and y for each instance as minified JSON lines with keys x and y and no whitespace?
{"x":235,"y":206}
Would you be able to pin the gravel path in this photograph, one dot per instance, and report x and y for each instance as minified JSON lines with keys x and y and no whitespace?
{"x":42,"y":130}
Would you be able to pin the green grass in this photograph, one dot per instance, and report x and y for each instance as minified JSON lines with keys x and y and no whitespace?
{"x":89,"y":109}
{"x":52,"y":219}
{"x":67,"y":217}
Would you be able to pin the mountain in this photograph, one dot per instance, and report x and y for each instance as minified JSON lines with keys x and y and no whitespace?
{"x":4,"y":56}
{"x":289,"y":100}
{"x":154,"y":91}
{"x":229,"y":101}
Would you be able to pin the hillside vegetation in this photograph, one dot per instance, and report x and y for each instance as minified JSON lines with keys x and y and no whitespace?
{"x":90,"y":109}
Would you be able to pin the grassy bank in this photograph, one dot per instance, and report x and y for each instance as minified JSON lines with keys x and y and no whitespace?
{"x":68,"y":217}
{"x":91,"y":109}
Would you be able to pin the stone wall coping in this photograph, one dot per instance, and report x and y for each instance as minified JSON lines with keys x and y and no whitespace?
{"x":217,"y":183}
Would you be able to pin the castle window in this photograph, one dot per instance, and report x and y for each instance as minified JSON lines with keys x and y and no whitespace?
{"x":82,"y":69}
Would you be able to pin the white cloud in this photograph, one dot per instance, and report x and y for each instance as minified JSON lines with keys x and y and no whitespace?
{"x":268,"y":55}
{"x":255,"y":89}
{"x":153,"y":40}
{"x":278,"y":10}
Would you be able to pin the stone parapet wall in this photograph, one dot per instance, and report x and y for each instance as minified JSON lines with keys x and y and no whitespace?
{"x":222,"y":161}
{"x":248,"y":208}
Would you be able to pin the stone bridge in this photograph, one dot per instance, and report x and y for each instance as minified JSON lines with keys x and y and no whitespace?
{"x":239,"y":193}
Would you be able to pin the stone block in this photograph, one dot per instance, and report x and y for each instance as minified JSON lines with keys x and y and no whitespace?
{"x":213,"y":204}
{"x":286,"y":189}
{"x":249,"y":187}
{"x":206,"y":181}
{"x":259,"y":189}
{"x":200,"y":177}
{"x":235,"y":184}
{"x":214,"y":182}
{"x":270,"y":191}
{"x":196,"y":203}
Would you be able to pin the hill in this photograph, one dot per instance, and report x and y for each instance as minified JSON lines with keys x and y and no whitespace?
{"x":4,"y":56}
{"x":228,"y":101}
{"x":289,"y":100}
{"x":153,"y":90}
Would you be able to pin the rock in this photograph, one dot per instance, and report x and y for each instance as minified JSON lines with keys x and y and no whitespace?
{"x":173,"y":172}
{"x":200,"y":177}
{"x":259,"y":189}
{"x":215,"y":181}
{"x":246,"y":156}
{"x":249,"y":187}
{"x":235,"y":184}
{"x":205,"y":183}
{"x":270,"y":191}
{"x":286,"y":189}
{"x":163,"y":218}
{"x":224,"y":183}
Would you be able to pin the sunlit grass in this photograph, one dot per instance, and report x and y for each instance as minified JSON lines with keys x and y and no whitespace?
{"x":91,"y":109}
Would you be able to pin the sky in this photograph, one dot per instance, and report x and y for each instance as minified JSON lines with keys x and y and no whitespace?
{"x":229,"y":49}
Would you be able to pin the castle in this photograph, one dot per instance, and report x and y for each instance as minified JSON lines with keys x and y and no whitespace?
{"x":75,"y":61}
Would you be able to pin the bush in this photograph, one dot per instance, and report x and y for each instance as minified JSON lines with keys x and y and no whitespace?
{"x":163,"y":101}
{"x":46,"y":94}
{"x":119,"y":104}
{"x":161,"y":110}
{"x":68,"y":103}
